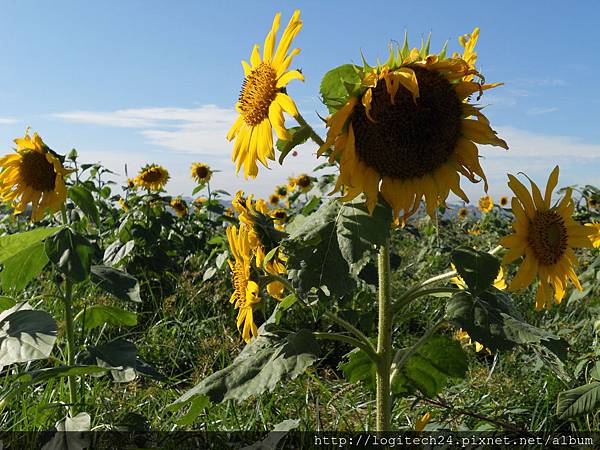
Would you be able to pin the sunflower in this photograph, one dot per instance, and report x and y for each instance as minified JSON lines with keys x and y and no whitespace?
{"x":592,"y":203}
{"x":279,"y":215}
{"x":304,"y":182}
{"x":180,"y":206}
{"x":499,"y":281}
{"x":595,"y":236}
{"x":274,"y":200}
{"x":131,"y":184}
{"x":503,"y":201}
{"x":545,"y":236}
{"x":291,"y":184}
{"x":263,"y":99}
{"x":408,"y":130}
{"x":201,"y":173}
{"x":246,"y":292}
{"x":199,"y":202}
{"x":486,"y":204}
{"x":462,"y":336}
{"x":462,"y":213}
{"x":123,"y":204}
{"x":281,"y":191}
{"x":33,"y":174}
{"x":152,"y":177}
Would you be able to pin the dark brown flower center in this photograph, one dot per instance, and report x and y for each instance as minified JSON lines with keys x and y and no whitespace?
{"x":548,"y":237}
{"x":303,"y":181}
{"x":152,"y":175}
{"x":37,"y":172}
{"x":280,"y":215}
{"x":409,"y":139}
{"x":201,"y":172}
{"x":258,"y":92}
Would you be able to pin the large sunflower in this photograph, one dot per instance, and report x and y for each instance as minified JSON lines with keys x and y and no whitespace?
{"x":33,"y":174}
{"x":408,"y":130}
{"x":246,"y":293}
{"x":263,"y":99}
{"x":545,"y":236}
{"x":152,"y":177}
{"x":201,"y":172}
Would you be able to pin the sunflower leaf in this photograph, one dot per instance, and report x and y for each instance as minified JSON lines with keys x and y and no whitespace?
{"x":338,"y":85}
{"x":71,"y":253}
{"x":478,"y":269}
{"x":298,"y":135}
{"x":84,"y":200}
{"x":581,"y":400}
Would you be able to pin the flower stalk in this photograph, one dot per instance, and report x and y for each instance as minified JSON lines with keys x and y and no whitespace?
{"x":384,"y":342}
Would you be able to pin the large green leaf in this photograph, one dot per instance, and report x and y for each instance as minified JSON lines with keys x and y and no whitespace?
{"x":262,"y":364}
{"x":71,"y":253}
{"x":430,"y":367}
{"x":25,"y":334}
{"x":581,"y":400}
{"x":330,"y":247}
{"x":491,"y":320}
{"x":22,"y":257}
{"x":478,"y":269}
{"x":298,"y":135}
{"x":337,"y":85}
{"x":359,"y":367}
{"x":116,"y":282}
{"x":98,"y":315}
{"x":116,"y":252}
{"x":82,"y":197}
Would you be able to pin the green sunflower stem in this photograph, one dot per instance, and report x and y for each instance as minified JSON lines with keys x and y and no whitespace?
{"x":313,"y":134}
{"x":384,"y":342}
{"x":70,"y":343}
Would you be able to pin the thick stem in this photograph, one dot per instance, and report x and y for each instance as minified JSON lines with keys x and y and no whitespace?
{"x":384,"y":342}
{"x":313,"y":135}
{"x":70,"y":343}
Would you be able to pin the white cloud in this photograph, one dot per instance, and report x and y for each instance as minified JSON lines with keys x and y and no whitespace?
{"x":8,"y":120}
{"x":538,"y":110}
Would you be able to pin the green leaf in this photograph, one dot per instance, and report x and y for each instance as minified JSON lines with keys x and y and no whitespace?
{"x":22,"y":257}
{"x":83,"y":198}
{"x":71,"y":253}
{"x":338,"y":85}
{"x":25,"y":334}
{"x":98,"y":315}
{"x":581,"y":400}
{"x":116,"y":282}
{"x":430,"y":367}
{"x":298,"y":135}
{"x":6,"y":303}
{"x":116,"y":252}
{"x":478,"y":269}
{"x":360,"y":367}
{"x":310,"y":207}
{"x":260,"y":366}
{"x":198,"y":404}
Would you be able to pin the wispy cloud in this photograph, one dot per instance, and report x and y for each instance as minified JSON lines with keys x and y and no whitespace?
{"x":8,"y":120}
{"x":538,"y":110}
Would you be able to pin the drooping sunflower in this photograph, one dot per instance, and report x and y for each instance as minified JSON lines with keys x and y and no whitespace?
{"x":595,"y":236}
{"x":462,"y":213}
{"x":304,"y":182}
{"x":408,"y":130}
{"x":545,"y":236}
{"x":201,"y":173}
{"x":33,"y":174}
{"x":180,"y":206}
{"x":263,"y":99}
{"x":281,"y":191}
{"x":503,"y":201}
{"x":152,"y":177}
{"x":486,"y":204}
{"x":246,"y":292}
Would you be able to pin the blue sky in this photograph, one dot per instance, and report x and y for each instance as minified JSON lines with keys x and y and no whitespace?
{"x":155,"y":81}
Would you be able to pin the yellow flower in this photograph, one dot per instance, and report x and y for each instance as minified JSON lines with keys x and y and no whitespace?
{"x":152,"y":177}
{"x":201,"y":172}
{"x":503,"y":201}
{"x":304,"y":182}
{"x":291,"y":184}
{"x":228,"y":212}
{"x":592,"y":203}
{"x":281,"y":191}
{"x":279,"y":215}
{"x":263,"y":99}
{"x":499,"y":281}
{"x":131,"y":183}
{"x":545,"y":236}
{"x":486,"y":204}
{"x":464,"y":337}
{"x":246,"y":293}
{"x":410,"y":131}
{"x":180,"y":206}
{"x":33,"y":174}
{"x":420,"y":424}
{"x":200,"y":201}
{"x":274,"y":200}
{"x":595,"y":236}
{"x":462,"y":213}
{"x":474,"y":231}
{"x":123,"y":204}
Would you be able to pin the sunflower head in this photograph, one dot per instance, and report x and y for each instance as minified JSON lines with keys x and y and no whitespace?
{"x":462,"y":213}
{"x":595,"y":236}
{"x":263,"y":99}
{"x":281,"y":191}
{"x":545,"y":236}
{"x":409,"y":131}
{"x":33,"y":174}
{"x":201,"y":173}
{"x":503,"y":201}
{"x":123,"y":204}
{"x":274,"y":200}
{"x":486,"y":204}
{"x":304,"y":182}
{"x":152,"y":177}
{"x":131,"y":184}
{"x":279,"y":215}
{"x":199,"y":202}
{"x":180,"y":206}
{"x":291,"y":184}
{"x":592,"y":203}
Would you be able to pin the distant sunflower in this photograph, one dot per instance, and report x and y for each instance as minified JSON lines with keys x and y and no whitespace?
{"x":281,"y":191}
{"x":123,"y":204}
{"x":279,"y":215}
{"x":503,"y":201}
{"x":152,"y":177}
{"x":592,"y":203}
{"x":499,"y":281}
{"x":199,"y":202}
{"x":274,"y":200}
{"x":131,"y":183}
{"x":33,"y":174}
{"x":263,"y":99}
{"x":409,"y":131}
{"x":545,"y":236}
{"x":486,"y":204}
{"x":180,"y":206}
{"x":246,"y":293}
{"x":304,"y":182}
{"x":201,"y":173}
{"x":291,"y":184}
{"x":595,"y":236}
{"x":462,"y":213}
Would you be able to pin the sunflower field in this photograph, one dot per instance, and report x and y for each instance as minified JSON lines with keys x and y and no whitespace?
{"x":368,"y":294}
